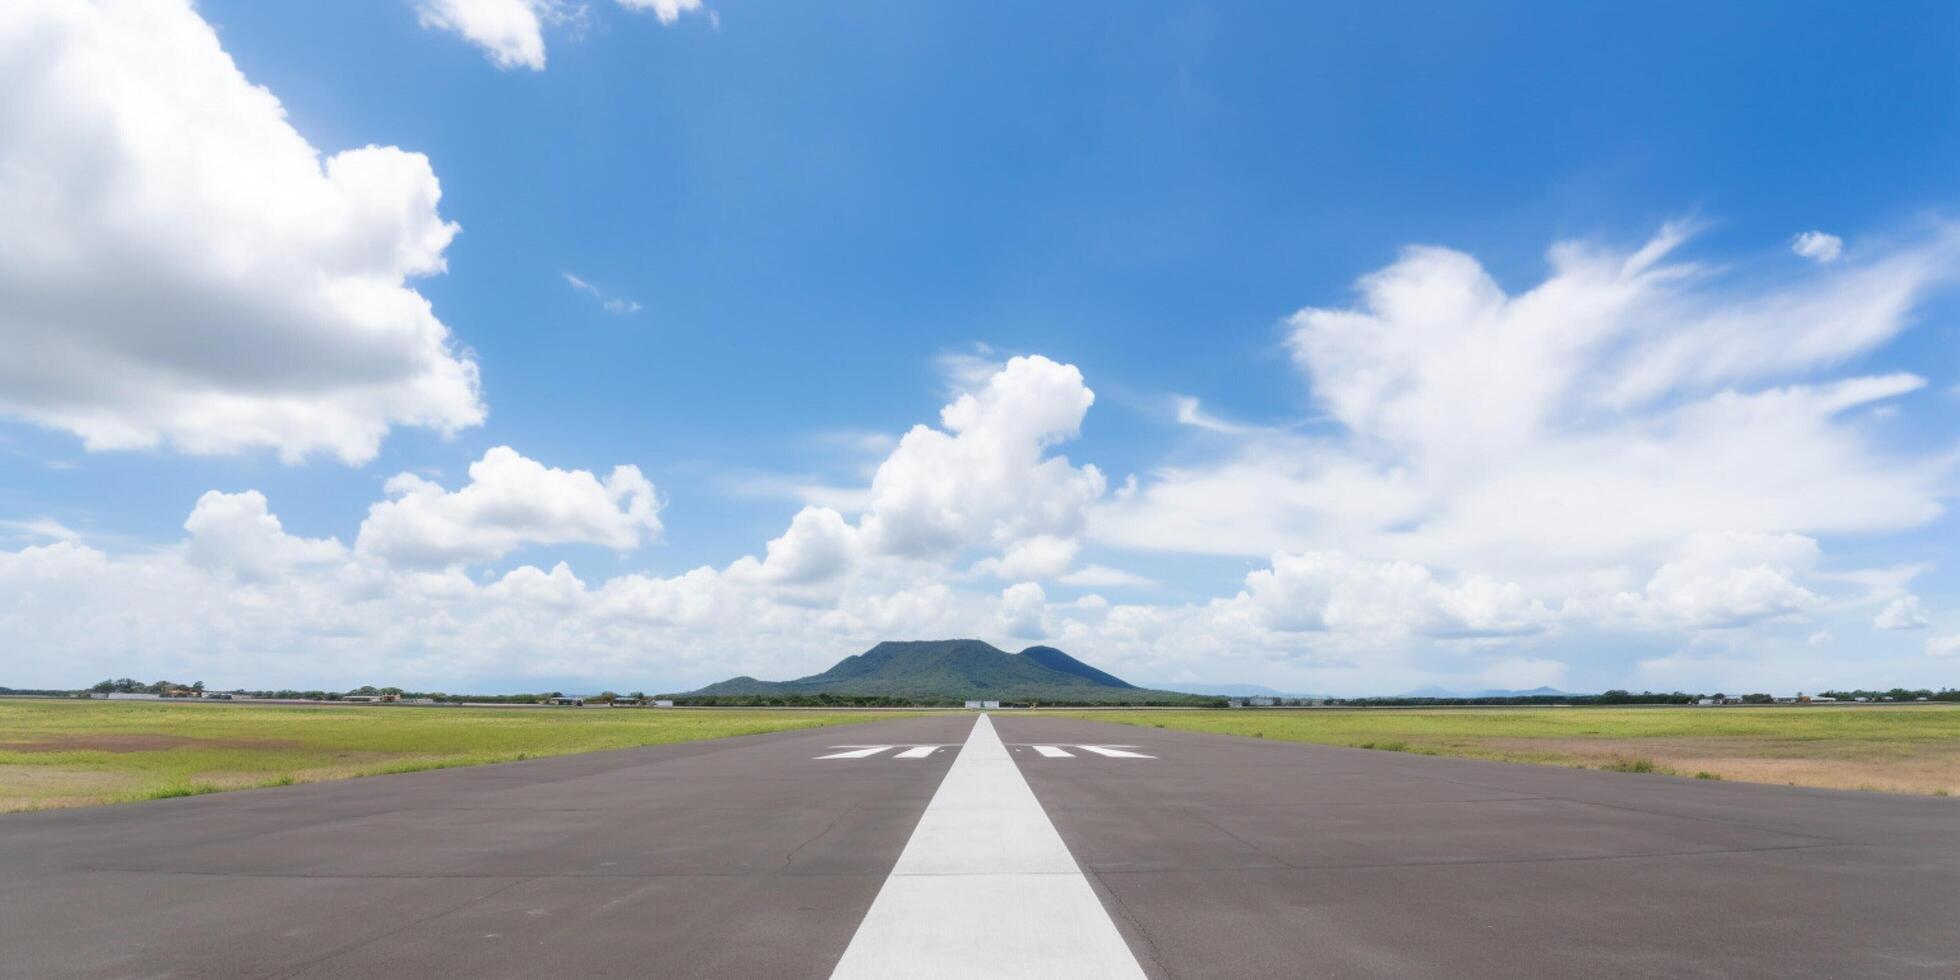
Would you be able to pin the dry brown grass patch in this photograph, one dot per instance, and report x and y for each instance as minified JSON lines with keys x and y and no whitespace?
{"x":1927,"y":767}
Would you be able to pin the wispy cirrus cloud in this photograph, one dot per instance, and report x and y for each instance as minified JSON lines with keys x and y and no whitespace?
{"x":619,"y":305}
{"x":1639,"y":445}
{"x":1599,"y":418}
{"x":40,"y":528}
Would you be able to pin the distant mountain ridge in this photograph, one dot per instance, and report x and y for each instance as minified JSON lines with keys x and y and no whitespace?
{"x":1240,"y":691}
{"x":957,"y":670}
{"x":1439,"y":692}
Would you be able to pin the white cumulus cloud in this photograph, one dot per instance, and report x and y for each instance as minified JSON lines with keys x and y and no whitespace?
{"x":235,"y":533}
{"x":510,"y":501}
{"x":1903,"y":613}
{"x":668,"y":11}
{"x":818,"y":546}
{"x":242,"y":600}
{"x":1383,"y":600}
{"x":528,"y":584}
{"x":1818,"y":246}
{"x":1021,"y":608}
{"x":1040,"y":557}
{"x":1723,"y":579}
{"x":511,"y":32}
{"x":987,"y":477}
{"x":179,"y":265}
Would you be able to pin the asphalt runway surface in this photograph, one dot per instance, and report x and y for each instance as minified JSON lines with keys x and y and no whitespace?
{"x":1023,"y":846}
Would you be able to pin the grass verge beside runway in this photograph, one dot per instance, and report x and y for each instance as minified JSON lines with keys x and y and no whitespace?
{"x":1901,"y":749}
{"x":77,"y":753}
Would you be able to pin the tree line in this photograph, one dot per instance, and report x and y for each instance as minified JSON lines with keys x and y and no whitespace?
{"x":1619,"y":697}
{"x":127,"y":685}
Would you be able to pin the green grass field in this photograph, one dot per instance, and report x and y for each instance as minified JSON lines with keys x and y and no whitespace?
{"x":76,"y":753}
{"x":1906,"y":749}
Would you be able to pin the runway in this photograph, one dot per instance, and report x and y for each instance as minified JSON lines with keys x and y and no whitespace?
{"x":1233,"y":857}
{"x":993,"y":848}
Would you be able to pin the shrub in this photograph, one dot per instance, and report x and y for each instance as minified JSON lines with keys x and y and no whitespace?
{"x":1629,"y":765}
{"x":173,"y":791}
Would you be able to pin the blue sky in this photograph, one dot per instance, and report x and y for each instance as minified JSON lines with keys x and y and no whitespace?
{"x":817,"y":224}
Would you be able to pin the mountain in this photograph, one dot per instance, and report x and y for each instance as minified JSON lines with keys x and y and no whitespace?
{"x":1054,"y":659}
{"x":1432,"y":691}
{"x":956,"y":670}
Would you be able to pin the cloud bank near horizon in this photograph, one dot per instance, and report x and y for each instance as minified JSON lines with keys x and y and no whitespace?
{"x":420,"y":595}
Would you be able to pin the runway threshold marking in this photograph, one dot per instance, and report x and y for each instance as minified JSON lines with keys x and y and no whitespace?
{"x":1115,"y":751}
{"x":1053,"y":751}
{"x":856,"y":753}
{"x":986,"y":888}
{"x":867,"y":751}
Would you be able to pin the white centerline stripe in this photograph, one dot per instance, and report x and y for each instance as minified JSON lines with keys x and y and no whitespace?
{"x":856,"y":753}
{"x":1114,"y":753}
{"x":1053,"y":752}
{"x":917,"y":752}
{"x":986,"y":888}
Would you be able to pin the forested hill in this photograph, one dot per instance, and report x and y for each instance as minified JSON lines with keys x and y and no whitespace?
{"x":954,"y":670}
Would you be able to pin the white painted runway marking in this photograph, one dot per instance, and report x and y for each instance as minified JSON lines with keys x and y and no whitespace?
{"x":867,"y":751}
{"x":1052,"y":751}
{"x":986,"y":888}
{"x":1115,"y":751}
{"x":856,"y":753}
